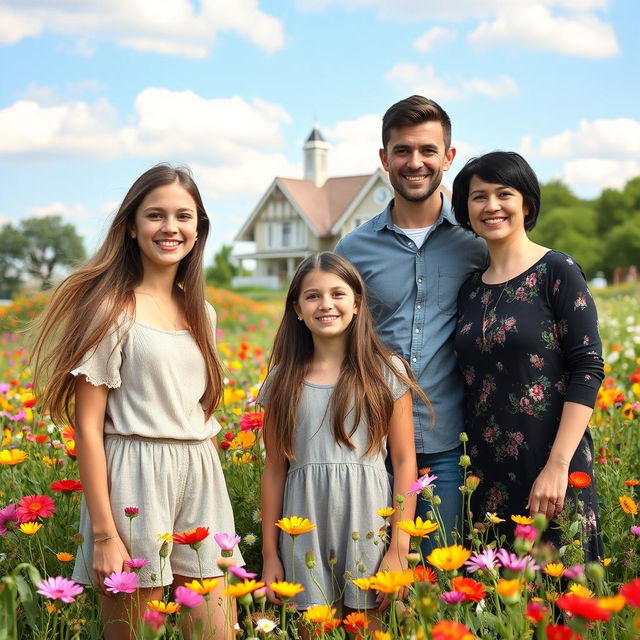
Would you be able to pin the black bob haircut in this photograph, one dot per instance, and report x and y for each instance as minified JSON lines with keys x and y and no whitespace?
{"x":498,"y":167}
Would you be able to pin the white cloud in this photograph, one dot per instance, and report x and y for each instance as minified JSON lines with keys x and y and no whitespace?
{"x":596,"y":174}
{"x":172,"y":27}
{"x":215,"y":129}
{"x":354,"y":145}
{"x":433,"y":38}
{"x":71,"y":212}
{"x":425,"y":81}
{"x":618,"y":136}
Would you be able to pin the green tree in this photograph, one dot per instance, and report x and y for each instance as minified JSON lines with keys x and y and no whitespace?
{"x":222,"y":270}
{"x":622,"y":245}
{"x":12,"y":248}
{"x":49,"y":243}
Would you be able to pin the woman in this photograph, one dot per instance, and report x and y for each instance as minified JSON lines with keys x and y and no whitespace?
{"x":528,"y":346}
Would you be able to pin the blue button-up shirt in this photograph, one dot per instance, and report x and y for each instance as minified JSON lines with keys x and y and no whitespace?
{"x":413,"y":293}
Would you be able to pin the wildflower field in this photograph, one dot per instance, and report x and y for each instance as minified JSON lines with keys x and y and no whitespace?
{"x":476,"y":588}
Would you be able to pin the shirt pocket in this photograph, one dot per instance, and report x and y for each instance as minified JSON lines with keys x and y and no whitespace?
{"x":449,"y":283}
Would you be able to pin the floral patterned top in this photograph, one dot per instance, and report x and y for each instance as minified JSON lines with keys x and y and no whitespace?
{"x":525,"y":347}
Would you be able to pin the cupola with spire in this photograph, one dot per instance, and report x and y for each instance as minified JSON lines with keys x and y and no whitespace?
{"x":315,"y":158}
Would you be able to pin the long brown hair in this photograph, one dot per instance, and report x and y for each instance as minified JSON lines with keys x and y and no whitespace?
{"x":96,"y":295}
{"x":361,"y":388}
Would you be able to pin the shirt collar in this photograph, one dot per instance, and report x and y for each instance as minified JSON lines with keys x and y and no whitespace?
{"x":385,"y":219}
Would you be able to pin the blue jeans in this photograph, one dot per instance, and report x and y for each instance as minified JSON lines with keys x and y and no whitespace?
{"x":445,"y":465}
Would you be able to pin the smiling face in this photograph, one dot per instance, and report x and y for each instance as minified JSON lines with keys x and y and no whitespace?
{"x":326,"y":304}
{"x":496,"y":211}
{"x":415,"y":158}
{"x":165,"y":226}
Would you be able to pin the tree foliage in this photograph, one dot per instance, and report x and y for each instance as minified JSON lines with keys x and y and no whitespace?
{"x":223,"y":269}
{"x":33,"y":250}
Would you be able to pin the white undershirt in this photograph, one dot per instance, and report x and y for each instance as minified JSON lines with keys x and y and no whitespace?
{"x":417,"y":235}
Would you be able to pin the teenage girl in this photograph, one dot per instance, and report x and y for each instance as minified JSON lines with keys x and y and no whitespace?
{"x":126,"y":349}
{"x":334,"y":400}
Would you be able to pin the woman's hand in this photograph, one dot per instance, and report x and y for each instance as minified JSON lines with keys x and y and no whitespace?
{"x":108,"y":556}
{"x":272,"y":571}
{"x":549,"y":489}
{"x":391,"y":562}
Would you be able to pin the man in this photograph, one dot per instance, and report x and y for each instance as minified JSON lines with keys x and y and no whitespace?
{"x":414,"y":257}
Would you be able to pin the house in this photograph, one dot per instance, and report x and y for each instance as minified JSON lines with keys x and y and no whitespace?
{"x":297,"y":217}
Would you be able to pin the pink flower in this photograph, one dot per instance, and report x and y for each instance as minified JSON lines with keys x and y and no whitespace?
{"x":187,"y":598}
{"x":122,"y":582}
{"x":136,"y":563}
{"x":512,"y":562}
{"x":241,"y":573}
{"x":571,"y":573}
{"x":482,"y":561}
{"x":226,"y":541}
{"x":251,"y":421}
{"x":7,"y":515}
{"x":526,"y":532}
{"x":424,"y":482}
{"x":452,"y":597}
{"x":59,"y":589}
{"x":131,"y":512}
{"x":635,"y":530}
{"x":154,"y":619}
{"x":31,"y":508}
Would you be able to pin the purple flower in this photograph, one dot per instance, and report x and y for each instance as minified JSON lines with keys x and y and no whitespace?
{"x":571,"y":573}
{"x":424,"y":482}
{"x":122,"y":582}
{"x":187,"y":598}
{"x":512,"y":562}
{"x":452,"y":597}
{"x":481,"y":561}
{"x":59,"y":589}
{"x":635,"y":530}
{"x":239,"y":572}
{"x":4,"y":387}
{"x":7,"y":515}
{"x":136,"y":563}
{"x":226,"y":541}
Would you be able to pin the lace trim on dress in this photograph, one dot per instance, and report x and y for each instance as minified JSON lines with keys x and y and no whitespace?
{"x":112,"y":383}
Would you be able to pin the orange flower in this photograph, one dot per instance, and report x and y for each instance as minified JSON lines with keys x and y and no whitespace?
{"x":615,"y":604}
{"x":508,"y":588}
{"x":356,"y":622}
{"x":391,"y":581}
{"x":242,"y":588}
{"x":319,"y":614}
{"x":418,"y":529}
{"x":450,"y":630}
{"x":424,"y":574}
{"x":473,"y":590}
{"x":202,"y":586}
{"x":286,"y":590}
{"x":163,"y":607}
{"x":579,"y":480}
{"x":554,"y":569}
{"x":12,"y":457}
{"x":631,"y":483}
{"x":63,"y":556}
{"x":192,"y":536}
{"x":449,"y":558}
{"x":522,"y":519}
{"x":295,"y":525}
{"x":629,"y":505}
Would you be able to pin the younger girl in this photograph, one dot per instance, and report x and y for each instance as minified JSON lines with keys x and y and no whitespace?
{"x":127,"y":351}
{"x":333,"y":398}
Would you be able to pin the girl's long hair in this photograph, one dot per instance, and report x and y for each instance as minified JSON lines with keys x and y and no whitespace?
{"x":361,"y":390}
{"x":86,"y":306}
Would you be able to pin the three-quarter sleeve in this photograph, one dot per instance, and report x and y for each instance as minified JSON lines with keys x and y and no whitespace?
{"x":101,"y":365}
{"x":576,"y":328}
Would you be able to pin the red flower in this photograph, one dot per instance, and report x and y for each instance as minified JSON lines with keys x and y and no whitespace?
{"x":473,"y":590}
{"x":561,"y":632}
{"x":224,"y":445}
{"x":536,"y":612}
{"x":66,"y":486}
{"x":579,"y":479}
{"x":425,"y":574}
{"x":193,"y":536}
{"x":31,"y":508}
{"x":631,"y":591}
{"x":251,"y":421}
{"x":587,"y":608}
{"x":450,"y":630}
{"x":631,"y":483}
{"x":31,"y":402}
{"x":356,"y":622}
{"x":131,"y":512}
{"x":41,"y":437}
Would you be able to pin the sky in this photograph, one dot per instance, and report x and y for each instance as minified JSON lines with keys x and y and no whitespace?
{"x":94,"y":92}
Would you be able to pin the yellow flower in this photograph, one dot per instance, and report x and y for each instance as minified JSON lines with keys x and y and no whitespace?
{"x":12,"y":457}
{"x":63,"y":556}
{"x":286,"y":590}
{"x":241,"y":459}
{"x":6,"y":436}
{"x":242,"y":588}
{"x":164,"y":537}
{"x":51,"y":607}
{"x":493,"y":518}
{"x":552,"y":596}
{"x":202,"y":586}
{"x":508,"y":588}
{"x":386,"y":512}
{"x":163,"y":607}
{"x":606,"y":562}
{"x":391,"y":581}
{"x":615,"y":604}
{"x":522,"y":519}
{"x":295,"y":525}
{"x":363,"y":583}
{"x":319,"y":614}
{"x":51,"y":462}
{"x":554,"y":569}
{"x":30,"y":528}
{"x":417,"y":529}
{"x":449,"y":558}
{"x":244,"y":440}
{"x":629,"y":505}
{"x":580,"y":590}
{"x":381,"y":635}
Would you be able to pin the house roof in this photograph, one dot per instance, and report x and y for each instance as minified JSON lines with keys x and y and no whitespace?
{"x":324,"y":205}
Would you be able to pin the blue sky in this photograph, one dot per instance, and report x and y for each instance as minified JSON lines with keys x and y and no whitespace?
{"x":93,"y":92}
